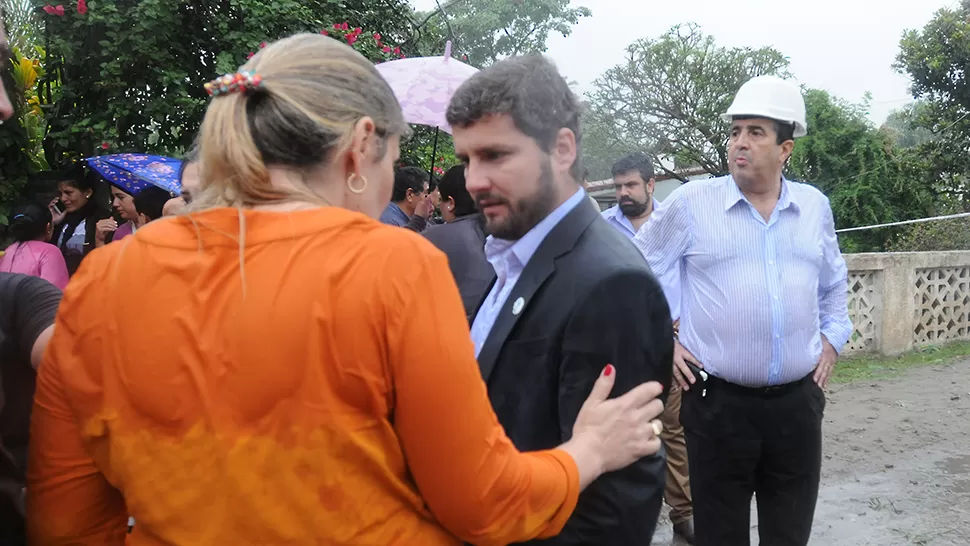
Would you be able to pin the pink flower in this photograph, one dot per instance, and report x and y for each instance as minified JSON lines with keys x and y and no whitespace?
{"x":250,"y":55}
{"x":344,"y":26}
{"x":377,"y":37}
{"x":105,"y":145}
{"x":357,"y":30}
{"x":51,"y":10}
{"x":324,"y":32}
{"x":82,"y":6}
{"x":262,"y":45}
{"x":336,"y":26}
{"x":397,"y":50}
{"x":351,"y":38}
{"x":386,"y":49}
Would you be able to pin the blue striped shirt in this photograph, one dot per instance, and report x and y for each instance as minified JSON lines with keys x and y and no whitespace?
{"x":615,"y":217}
{"x":753,"y":297}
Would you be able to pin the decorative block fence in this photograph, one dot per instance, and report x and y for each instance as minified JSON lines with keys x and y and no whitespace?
{"x":902,"y":300}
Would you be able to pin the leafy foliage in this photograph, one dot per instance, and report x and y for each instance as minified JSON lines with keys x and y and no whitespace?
{"x":905,"y":126}
{"x":131,"y":73}
{"x":22,"y":29}
{"x":936,"y":59}
{"x":601,"y":144}
{"x":867,"y":179}
{"x":18,"y":157}
{"x":485,"y":31}
{"x":668,"y":95}
{"x":952,"y":234}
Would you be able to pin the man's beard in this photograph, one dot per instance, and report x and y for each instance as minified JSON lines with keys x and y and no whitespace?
{"x":524,"y":214}
{"x":632,"y":208}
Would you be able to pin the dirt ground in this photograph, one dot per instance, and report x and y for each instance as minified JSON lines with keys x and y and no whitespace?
{"x":896,"y":466}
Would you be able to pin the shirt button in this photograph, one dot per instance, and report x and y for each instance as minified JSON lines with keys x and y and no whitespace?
{"x":777,"y":336}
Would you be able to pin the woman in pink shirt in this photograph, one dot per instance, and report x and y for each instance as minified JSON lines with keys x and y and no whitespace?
{"x":31,"y":253}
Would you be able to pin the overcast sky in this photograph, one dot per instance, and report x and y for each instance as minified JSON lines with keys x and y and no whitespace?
{"x":844,"y":46}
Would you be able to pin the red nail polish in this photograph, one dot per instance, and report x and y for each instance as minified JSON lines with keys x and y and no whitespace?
{"x":608,"y":370}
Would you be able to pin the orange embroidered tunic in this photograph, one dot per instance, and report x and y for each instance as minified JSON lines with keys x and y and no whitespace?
{"x":323,"y":391}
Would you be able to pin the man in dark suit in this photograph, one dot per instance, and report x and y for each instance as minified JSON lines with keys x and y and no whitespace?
{"x":462,"y":239}
{"x":570,"y":295}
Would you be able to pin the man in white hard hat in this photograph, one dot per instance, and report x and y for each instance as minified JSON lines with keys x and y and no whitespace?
{"x":751,"y":266}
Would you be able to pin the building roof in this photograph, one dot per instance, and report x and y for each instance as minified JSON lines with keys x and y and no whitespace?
{"x":608,"y":183}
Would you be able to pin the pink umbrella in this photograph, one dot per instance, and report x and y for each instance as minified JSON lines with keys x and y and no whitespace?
{"x":424,"y":86}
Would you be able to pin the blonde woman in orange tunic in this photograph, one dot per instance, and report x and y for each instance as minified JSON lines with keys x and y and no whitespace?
{"x":299,"y":373}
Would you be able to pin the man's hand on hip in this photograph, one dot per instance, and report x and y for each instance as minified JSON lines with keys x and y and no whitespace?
{"x":682,"y":374}
{"x":826,"y":363}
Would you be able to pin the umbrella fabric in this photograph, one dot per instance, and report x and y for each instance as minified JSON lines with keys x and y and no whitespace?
{"x":135,"y":172}
{"x":424,"y":86}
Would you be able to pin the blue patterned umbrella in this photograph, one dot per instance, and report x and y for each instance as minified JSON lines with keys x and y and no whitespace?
{"x":135,"y":172}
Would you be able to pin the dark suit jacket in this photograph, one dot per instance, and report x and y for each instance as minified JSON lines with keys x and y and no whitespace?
{"x":463,"y":241}
{"x":590,"y":300}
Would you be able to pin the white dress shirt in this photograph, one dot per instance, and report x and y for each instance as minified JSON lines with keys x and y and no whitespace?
{"x":754,"y":297}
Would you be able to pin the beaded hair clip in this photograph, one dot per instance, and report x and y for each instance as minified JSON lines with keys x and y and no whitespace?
{"x":232,"y":83}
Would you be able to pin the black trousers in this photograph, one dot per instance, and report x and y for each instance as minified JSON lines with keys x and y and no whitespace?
{"x":766,"y":442}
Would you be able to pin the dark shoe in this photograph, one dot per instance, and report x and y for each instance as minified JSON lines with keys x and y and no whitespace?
{"x":686,"y":530}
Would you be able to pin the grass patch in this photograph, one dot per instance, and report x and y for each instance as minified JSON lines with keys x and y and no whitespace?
{"x":866,"y":367}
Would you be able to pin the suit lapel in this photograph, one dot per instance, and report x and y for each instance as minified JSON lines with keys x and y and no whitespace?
{"x":541,"y":266}
{"x":535,"y":273}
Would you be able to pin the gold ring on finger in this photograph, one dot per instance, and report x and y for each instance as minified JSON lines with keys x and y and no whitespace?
{"x":657,"y":427}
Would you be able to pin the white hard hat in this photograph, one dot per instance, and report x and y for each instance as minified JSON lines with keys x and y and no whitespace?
{"x":773,"y":98}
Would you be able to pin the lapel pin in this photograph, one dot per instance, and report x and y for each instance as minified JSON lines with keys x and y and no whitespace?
{"x":517,"y":306}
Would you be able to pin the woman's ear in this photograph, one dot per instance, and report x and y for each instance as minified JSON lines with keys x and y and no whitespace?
{"x":363,"y":140}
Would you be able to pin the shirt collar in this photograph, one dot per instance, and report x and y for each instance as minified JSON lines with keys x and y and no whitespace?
{"x":618,"y":213}
{"x":398,"y":211}
{"x":524,"y":248}
{"x":734,"y":195}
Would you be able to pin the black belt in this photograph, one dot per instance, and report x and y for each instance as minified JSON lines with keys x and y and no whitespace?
{"x":765,"y":392}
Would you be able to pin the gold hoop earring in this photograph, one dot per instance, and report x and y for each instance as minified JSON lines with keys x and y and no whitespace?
{"x":350,"y":185}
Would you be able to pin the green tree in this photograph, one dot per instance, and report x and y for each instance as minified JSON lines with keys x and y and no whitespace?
{"x":868,"y":180}
{"x":936,"y":60}
{"x":485,"y":31}
{"x":951,"y":234}
{"x":21,"y":25}
{"x":668,"y":96}
{"x":131,"y":73}
{"x":601,"y":144}
{"x":904,"y":125}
